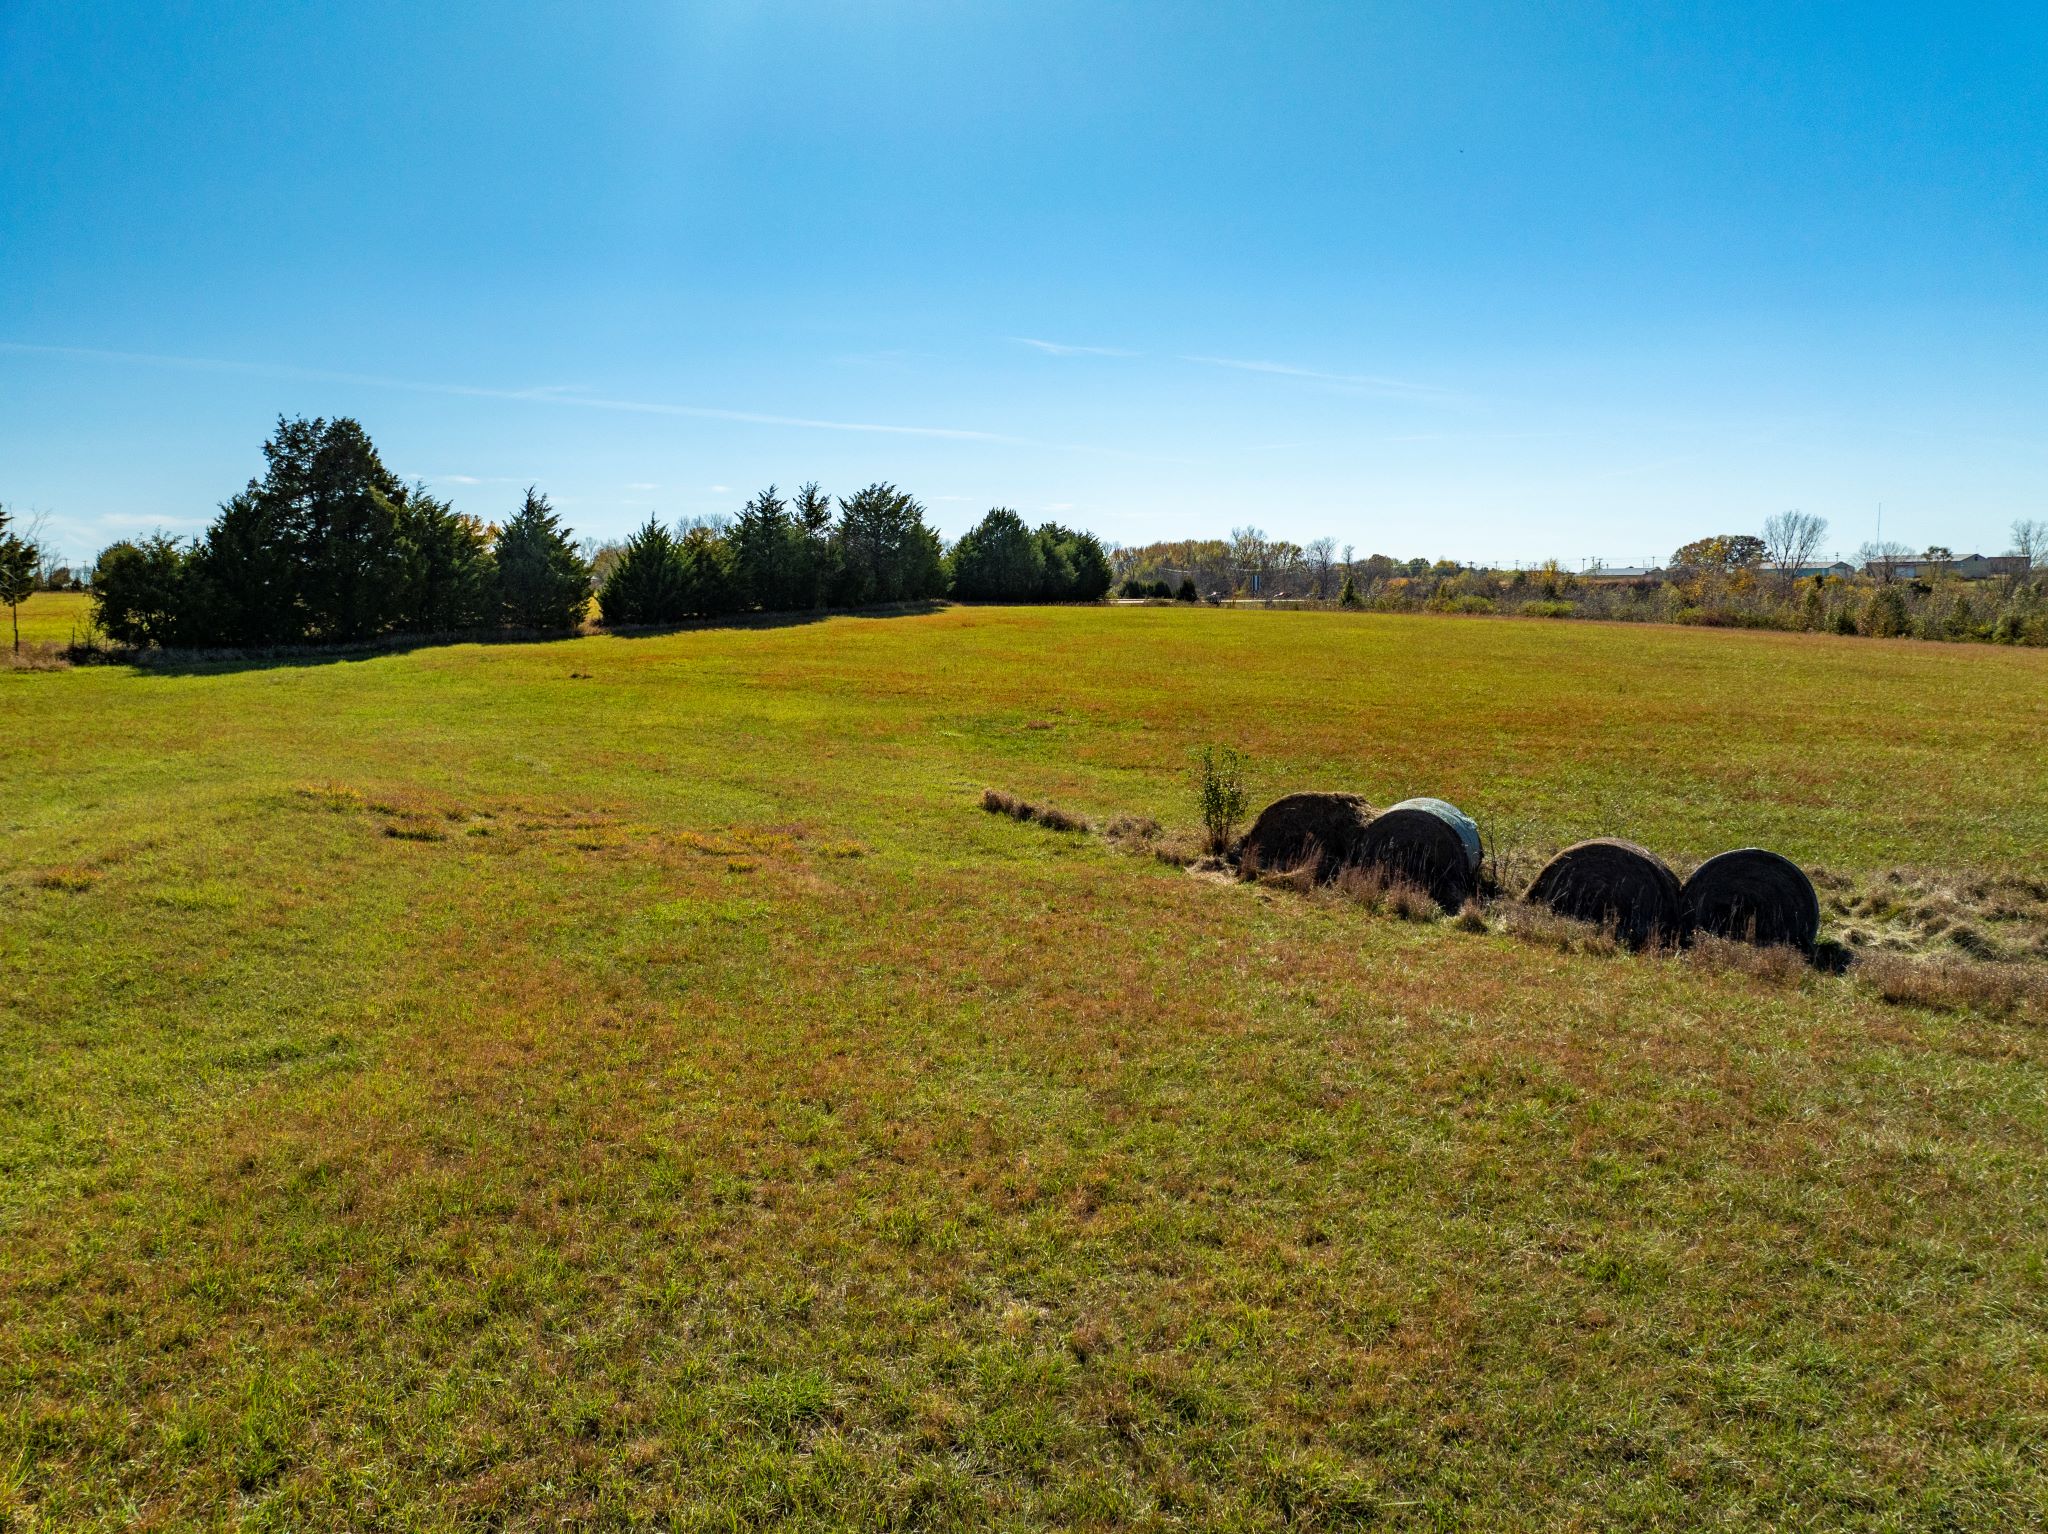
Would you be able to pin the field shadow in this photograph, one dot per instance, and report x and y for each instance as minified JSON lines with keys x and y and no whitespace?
{"x":178,"y":663}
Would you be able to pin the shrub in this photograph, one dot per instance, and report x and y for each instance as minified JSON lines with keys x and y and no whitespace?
{"x":1187,"y":592}
{"x":1221,"y":793}
{"x":1885,"y":615}
{"x":1548,"y":609}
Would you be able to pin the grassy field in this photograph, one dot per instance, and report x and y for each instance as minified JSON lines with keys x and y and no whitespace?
{"x":48,"y":618}
{"x":628,"y":1081}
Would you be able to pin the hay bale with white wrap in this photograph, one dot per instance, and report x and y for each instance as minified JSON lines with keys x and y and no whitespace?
{"x":1427,"y":843}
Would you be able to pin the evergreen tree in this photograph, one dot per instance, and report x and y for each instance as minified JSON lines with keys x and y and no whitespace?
{"x":998,"y":560}
{"x":770,"y":555}
{"x":543,"y":582}
{"x":648,"y":584}
{"x":812,"y":513}
{"x":142,"y":593}
{"x":244,"y":585}
{"x":19,"y":560}
{"x":1076,"y":565}
{"x":887,"y":552}
{"x":336,"y":508}
{"x":711,"y":580}
{"x":1056,"y":559}
{"x":447,"y":578}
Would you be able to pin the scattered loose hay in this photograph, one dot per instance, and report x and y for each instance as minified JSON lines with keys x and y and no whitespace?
{"x":1426,"y":843}
{"x":1752,"y":896}
{"x":1322,"y":832}
{"x":1051,"y":816}
{"x":1613,"y":884}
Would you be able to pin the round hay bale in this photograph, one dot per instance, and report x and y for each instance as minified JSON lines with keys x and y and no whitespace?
{"x":1428,"y":843}
{"x":1327,"y":827}
{"x":1612,"y":884}
{"x":1752,"y":896}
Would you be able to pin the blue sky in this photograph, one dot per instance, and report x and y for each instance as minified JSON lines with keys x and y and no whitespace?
{"x":1489,"y":282}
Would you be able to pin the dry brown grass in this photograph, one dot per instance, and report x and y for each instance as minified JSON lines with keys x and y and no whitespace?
{"x":1545,"y":928}
{"x":1950,"y":983}
{"x":1773,"y":964}
{"x":1373,"y":890}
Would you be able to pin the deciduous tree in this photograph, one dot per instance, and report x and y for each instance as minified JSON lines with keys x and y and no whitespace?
{"x":1790,"y":539}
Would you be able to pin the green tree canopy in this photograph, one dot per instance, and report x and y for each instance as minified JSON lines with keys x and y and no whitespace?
{"x":998,"y":560}
{"x":142,"y":593}
{"x":1724,"y":553}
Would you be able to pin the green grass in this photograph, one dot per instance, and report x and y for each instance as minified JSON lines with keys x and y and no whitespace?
{"x":630,"y":1081}
{"x":48,"y":618}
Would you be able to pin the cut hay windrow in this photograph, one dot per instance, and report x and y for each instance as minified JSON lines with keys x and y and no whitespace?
{"x":1753,"y":896}
{"x":1428,"y":843}
{"x":1613,"y":884}
{"x":1328,"y":828}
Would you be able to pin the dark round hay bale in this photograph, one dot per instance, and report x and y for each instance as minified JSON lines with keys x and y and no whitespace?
{"x":1752,"y":896}
{"x":1289,"y":831}
{"x":1428,"y":843}
{"x":1612,"y":884}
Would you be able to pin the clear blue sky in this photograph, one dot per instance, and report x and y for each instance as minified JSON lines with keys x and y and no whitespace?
{"x":1491,"y":282}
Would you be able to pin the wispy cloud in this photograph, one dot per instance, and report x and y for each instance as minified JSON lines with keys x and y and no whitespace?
{"x":550,"y":395}
{"x":1366,"y":383}
{"x":719,"y":489}
{"x":1063,"y":349}
{"x":468,"y":479}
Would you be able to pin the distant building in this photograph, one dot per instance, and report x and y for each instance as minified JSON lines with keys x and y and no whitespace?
{"x":1971,"y":567}
{"x":1840,"y":567}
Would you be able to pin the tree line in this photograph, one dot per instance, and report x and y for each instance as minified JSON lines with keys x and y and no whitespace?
{"x":327,"y":546}
{"x":1745,"y":580}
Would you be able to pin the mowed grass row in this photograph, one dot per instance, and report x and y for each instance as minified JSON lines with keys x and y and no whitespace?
{"x":629,"y":1080}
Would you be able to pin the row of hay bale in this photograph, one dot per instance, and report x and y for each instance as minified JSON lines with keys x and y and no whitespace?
{"x":1751,"y":895}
